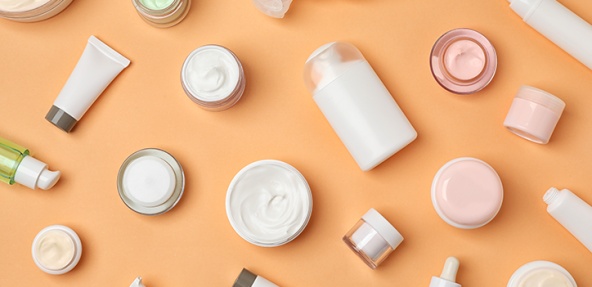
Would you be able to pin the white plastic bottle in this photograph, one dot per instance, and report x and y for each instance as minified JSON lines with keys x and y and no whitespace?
{"x":559,"y":24}
{"x":448,"y":277}
{"x":356,"y":103}
{"x":572,"y":212}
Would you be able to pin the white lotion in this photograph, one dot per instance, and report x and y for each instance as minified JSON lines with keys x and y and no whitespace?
{"x":448,"y":276}
{"x":357,"y":104}
{"x":269,"y":203}
{"x":97,"y":67}
{"x":572,"y":212}
{"x":560,"y":25}
{"x":20,"y":5}
{"x":212,"y":73}
{"x":273,"y":8}
{"x":248,"y":279}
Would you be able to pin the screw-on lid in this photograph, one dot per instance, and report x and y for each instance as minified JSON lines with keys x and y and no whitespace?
{"x":245,"y":279}
{"x":383,"y":227}
{"x":61,"y":119}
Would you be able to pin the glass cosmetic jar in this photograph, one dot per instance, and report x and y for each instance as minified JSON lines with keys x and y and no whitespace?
{"x":56,"y":249}
{"x":541,"y":273}
{"x":162,"y":16}
{"x":373,"y":238}
{"x":213,"y":77}
{"x":463,"y":61}
{"x":150,"y":181}
{"x":32,"y":10}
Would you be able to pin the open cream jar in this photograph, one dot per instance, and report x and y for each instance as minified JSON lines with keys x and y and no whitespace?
{"x":31,"y":10}
{"x":56,"y":249}
{"x":541,"y":274}
{"x":268,"y":203}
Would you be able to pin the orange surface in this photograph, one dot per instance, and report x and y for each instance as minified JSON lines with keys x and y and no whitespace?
{"x":194,"y":244}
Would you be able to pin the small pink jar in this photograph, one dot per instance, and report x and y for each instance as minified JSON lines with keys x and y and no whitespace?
{"x":534,"y":114}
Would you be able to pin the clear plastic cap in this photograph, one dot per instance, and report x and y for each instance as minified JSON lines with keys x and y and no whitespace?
{"x":329,"y":62}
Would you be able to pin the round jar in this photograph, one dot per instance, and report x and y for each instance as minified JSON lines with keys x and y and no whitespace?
{"x":213,"y":77}
{"x":268,"y":203}
{"x":541,"y":273}
{"x":31,"y":10}
{"x":150,"y":181}
{"x":467,"y":193}
{"x":162,"y":13}
{"x":56,"y":249}
{"x":463,"y":61}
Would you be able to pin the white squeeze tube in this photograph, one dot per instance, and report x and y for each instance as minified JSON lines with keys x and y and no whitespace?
{"x":560,"y":25}
{"x":97,"y":67}
{"x":572,"y":212}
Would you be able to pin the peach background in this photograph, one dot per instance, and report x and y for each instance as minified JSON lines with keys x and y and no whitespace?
{"x":193,"y":244}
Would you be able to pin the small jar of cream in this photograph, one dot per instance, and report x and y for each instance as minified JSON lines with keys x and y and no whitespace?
{"x":541,"y":273}
{"x":534,"y":114}
{"x":31,"y":10}
{"x":150,"y":181}
{"x":268,"y":203}
{"x":463,"y":61}
{"x":56,"y":249}
{"x":162,"y":13}
{"x":213,"y":77}
{"x":373,"y":238}
{"x":467,"y":193}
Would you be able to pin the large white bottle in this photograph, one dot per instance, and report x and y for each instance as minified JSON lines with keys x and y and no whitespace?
{"x":572,"y":212}
{"x":559,"y":24}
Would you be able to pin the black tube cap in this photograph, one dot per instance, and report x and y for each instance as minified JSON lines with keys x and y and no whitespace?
{"x":245,"y":279}
{"x":61,"y":119}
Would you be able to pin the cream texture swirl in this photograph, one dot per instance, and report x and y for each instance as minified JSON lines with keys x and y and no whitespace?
{"x":55,"y":249}
{"x":546,"y":278}
{"x":269,"y":203}
{"x":212,"y":73}
{"x":20,"y":5}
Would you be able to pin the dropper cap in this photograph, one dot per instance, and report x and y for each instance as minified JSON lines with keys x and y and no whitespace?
{"x":448,"y":276}
{"x":33,"y":173}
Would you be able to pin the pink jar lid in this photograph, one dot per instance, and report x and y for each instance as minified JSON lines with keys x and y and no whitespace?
{"x":467,"y":193}
{"x":534,"y":114}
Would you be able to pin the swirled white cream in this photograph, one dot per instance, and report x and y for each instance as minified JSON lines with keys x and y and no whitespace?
{"x":269,"y":202}
{"x":546,"y":278}
{"x":20,"y":5}
{"x":212,"y":73}
{"x":55,"y":249}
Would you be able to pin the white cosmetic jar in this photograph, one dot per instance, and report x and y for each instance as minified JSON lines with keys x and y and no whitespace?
{"x":541,"y":273}
{"x":213,"y":77}
{"x":151,"y":181}
{"x":165,"y":17}
{"x":269,"y":203}
{"x":56,"y":249}
{"x":45,"y":11}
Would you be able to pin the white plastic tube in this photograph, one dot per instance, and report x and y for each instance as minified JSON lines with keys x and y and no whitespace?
{"x":572,"y":212}
{"x":560,"y":25}
{"x":97,"y":67}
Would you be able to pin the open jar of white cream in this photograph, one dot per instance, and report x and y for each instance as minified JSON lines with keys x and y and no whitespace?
{"x":31,"y":10}
{"x":56,"y":249}
{"x":268,"y":203}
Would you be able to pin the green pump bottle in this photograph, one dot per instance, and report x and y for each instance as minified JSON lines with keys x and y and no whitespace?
{"x":17,"y":166}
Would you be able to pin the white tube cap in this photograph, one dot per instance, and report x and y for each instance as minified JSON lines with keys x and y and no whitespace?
{"x":448,"y":276}
{"x":33,"y":173}
{"x":137,"y":282}
{"x":383,"y":227}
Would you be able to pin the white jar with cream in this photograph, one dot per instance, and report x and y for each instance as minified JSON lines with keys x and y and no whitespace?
{"x":31,"y":10}
{"x":269,"y":203}
{"x":213,"y":77}
{"x":56,"y":249}
{"x":541,"y":273}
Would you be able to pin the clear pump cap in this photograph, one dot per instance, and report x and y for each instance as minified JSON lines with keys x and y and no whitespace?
{"x":329,"y":62}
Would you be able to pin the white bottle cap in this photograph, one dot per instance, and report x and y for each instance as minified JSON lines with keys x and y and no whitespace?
{"x":149,"y":181}
{"x":33,"y":173}
{"x":383,"y":227}
{"x":448,"y":276}
{"x":137,"y":282}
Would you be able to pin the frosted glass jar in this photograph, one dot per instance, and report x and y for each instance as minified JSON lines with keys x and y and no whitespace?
{"x":33,"y":12}
{"x":165,"y":17}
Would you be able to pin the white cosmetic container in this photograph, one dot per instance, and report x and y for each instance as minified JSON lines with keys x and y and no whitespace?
{"x":150,"y":181}
{"x":541,"y":274}
{"x":572,"y":212}
{"x":448,"y":276}
{"x":56,"y":249}
{"x":97,"y":67}
{"x":373,"y":238}
{"x":560,"y":25}
{"x":248,"y":279}
{"x":31,"y":10}
{"x":273,"y":8}
{"x":357,"y":104}
{"x":138,"y":282}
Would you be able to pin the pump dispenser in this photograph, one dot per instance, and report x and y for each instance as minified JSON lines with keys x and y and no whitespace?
{"x":448,"y":277}
{"x":17,"y":166}
{"x":137,"y":282}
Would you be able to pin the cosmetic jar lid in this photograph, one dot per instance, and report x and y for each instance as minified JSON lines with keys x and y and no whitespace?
{"x":383,"y":227}
{"x":61,"y":119}
{"x":534,"y":114}
{"x":467,"y":193}
{"x":73,"y":239}
{"x":156,"y":168}
{"x":531,"y":268}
